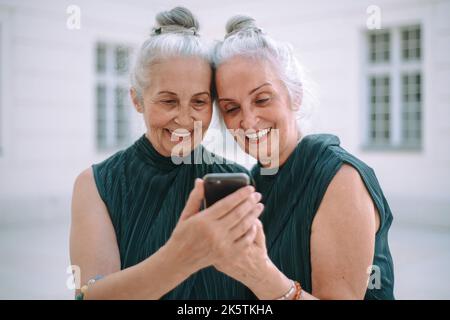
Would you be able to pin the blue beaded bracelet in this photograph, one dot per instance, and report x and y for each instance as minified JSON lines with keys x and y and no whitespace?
{"x":84,"y":288}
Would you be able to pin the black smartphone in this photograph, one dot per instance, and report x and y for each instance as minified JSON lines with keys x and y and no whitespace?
{"x":220,"y":185}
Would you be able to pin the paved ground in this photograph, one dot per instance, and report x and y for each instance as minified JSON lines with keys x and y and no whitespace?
{"x":34,"y":258}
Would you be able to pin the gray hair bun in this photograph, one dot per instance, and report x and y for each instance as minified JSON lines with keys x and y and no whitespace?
{"x":177,"y":20}
{"x":241,"y":23}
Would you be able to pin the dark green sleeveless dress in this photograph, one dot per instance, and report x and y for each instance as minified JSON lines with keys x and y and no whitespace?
{"x":292,"y":197}
{"x":145,"y":194}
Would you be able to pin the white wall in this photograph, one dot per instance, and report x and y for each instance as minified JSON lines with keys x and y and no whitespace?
{"x":51,"y":115}
{"x":49,"y":120}
{"x":47,"y":114}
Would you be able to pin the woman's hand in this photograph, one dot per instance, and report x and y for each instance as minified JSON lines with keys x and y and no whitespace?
{"x":246,"y":263}
{"x":252,"y":266}
{"x":208,"y":237}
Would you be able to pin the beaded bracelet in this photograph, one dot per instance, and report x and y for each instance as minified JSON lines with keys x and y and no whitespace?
{"x":84,"y":288}
{"x":298,"y":291}
{"x":287,"y":294}
{"x":295,"y":285}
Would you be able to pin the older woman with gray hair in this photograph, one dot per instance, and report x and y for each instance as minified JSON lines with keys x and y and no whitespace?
{"x":137,"y":231}
{"x":325,"y":224}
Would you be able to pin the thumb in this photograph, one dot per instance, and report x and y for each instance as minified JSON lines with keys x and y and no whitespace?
{"x":194,"y":201}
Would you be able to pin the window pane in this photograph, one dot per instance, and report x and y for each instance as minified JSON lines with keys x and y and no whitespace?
{"x":101,"y":58}
{"x":411,"y":43}
{"x":101,"y":116}
{"x":411,"y":109}
{"x":122,"y":59}
{"x":112,"y":95}
{"x":379,"y":128}
{"x":379,"y":46}
{"x":122,"y":124}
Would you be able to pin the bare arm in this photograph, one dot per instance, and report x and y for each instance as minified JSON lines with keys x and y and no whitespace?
{"x":342,"y":245}
{"x":343,"y":238}
{"x":196,"y":242}
{"x":93,"y":247}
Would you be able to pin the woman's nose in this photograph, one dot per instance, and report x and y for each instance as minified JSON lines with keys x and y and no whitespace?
{"x":249,"y":120}
{"x":184,"y":118}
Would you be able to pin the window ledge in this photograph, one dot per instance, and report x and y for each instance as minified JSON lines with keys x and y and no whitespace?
{"x":390,"y":148}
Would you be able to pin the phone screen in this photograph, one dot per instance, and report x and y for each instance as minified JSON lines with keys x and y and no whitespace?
{"x":220,"y":185}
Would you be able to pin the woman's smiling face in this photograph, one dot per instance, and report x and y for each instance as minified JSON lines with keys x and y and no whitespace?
{"x":177,"y":100}
{"x":256,"y":107}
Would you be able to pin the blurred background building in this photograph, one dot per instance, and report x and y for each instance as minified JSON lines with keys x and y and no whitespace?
{"x":64,"y":105}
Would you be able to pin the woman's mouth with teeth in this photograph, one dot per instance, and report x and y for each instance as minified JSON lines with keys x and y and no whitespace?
{"x":179,"y":134}
{"x":254,"y":136}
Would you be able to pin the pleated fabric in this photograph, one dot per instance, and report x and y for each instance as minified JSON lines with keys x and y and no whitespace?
{"x":145,"y":194}
{"x":292,"y":197}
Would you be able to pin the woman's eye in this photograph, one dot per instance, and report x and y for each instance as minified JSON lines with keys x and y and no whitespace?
{"x":231,"y":109}
{"x":199,"y":102}
{"x":262,"y":101}
{"x":171,"y":102}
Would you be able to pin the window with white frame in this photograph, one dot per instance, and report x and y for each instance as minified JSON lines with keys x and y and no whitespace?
{"x":379,"y":109}
{"x":394,"y":87}
{"x":113,"y":106}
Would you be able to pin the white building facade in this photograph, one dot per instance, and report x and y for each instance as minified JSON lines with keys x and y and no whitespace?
{"x":385,"y":92}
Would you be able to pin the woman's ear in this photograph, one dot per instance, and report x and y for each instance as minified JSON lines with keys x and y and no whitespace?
{"x":136,"y":101}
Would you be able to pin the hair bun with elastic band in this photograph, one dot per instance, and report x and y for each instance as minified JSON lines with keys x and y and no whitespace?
{"x":240,"y":23}
{"x":178,"y":20}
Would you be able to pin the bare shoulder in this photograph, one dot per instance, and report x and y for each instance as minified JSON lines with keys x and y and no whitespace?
{"x":89,"y":212}
{"x":347,"y":179}
{"x":93,"y":242}
{"x":343,"y":238}
{"x":347,"y":200}
{"x":85,"y":179}
{"x":85,"y":193}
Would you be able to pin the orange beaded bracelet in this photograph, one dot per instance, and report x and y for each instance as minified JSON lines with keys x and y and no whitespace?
{"x":298,"y":291}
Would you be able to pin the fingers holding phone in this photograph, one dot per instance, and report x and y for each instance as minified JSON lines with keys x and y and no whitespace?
{"x":194,"y":200}
{"x":207,"y":236}
{"x":245,"y":224}
{"x":232,"y":202}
